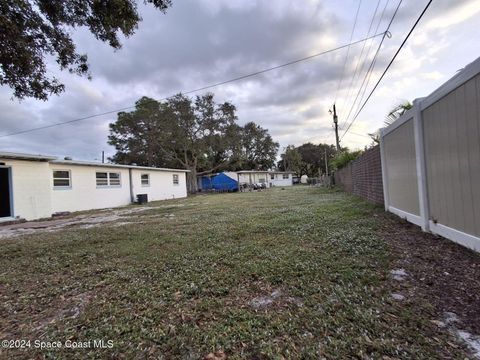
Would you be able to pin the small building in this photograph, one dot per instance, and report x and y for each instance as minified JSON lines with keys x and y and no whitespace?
{"x":253,"y":177}
{"x":269,"y":178}
{"x":281,"y":178}
{"x":37,"y":186}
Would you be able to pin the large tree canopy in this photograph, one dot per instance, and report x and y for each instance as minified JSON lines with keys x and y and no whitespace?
{"x":312,"y":159}
{"x":258,"y":148}
{"x":33,"y":30}
{"x":196,"y":134}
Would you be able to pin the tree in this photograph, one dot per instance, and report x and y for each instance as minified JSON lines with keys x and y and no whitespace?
{"x":291,"y":160}
{"x":258,"y":150}
{"x":33,"y":30}
{"x":343,"y":157}
{"x":198,"y":135}
{"x":313,"y":157}
{"x":397,"y":111}
{"x":136,"y":135}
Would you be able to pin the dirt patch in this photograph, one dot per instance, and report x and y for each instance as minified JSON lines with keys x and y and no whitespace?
{"x":274,"y":300}
{"x":82,"y":221}
{"x":441,"y":272}
{"x":67,"y":307}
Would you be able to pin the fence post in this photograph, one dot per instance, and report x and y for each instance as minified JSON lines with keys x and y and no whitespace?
{"x":421,"y":164}
{"x":383,"y":161}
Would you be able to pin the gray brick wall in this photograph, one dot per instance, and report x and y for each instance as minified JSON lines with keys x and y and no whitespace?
{"x":363,"y":176}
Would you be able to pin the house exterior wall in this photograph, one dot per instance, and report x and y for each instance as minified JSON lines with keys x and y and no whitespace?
{"x":252,"y":178}
{"x":34,"y":196}
{"x":401,"y":172}
{"x":278,"y":180}
{"x":31,"y":188}
{"x":452,"y":156}
{"x":161,"y":185}
{"x":84,"y":193}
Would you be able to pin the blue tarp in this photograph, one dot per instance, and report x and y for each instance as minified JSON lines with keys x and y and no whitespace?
{"x":206,"y":183}
{"x":219,"y":182}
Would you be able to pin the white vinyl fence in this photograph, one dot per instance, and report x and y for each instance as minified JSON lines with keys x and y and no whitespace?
{"x":431,"y":160}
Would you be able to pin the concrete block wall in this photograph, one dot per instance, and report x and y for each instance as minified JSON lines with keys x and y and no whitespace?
{"x":363,"y":176}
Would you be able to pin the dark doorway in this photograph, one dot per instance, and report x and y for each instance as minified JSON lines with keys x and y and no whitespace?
{"x":5,"y":209}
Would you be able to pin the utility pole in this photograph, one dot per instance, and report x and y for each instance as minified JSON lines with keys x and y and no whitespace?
{"x":103,"y":157}
{"x":335,"y":121}
{"x":326,"y":162}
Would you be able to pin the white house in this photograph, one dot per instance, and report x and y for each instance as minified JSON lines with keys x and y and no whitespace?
{"x":269,"y":178}
{"x":36,"y":186}
{"x":281,"y":178}
{"x":250,"y":177}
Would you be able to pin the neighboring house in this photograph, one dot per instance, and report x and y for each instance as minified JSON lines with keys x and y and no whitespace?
{"x":36,"y":186}
{"x":281,"y":178}
{"x":269,"y":178}
{"x":250,"y":177}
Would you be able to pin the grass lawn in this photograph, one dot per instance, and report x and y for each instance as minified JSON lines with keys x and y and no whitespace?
{"x":301,"y":273}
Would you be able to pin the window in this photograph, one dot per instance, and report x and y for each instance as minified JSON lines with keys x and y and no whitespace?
{"x":61,"y":179}
{"x":108,"y":179}
{"x":261,"y":180}
{"x":145,"y":179}
{"x":272,"y":176}
{"x":102,"y":179}
{"x":175,"y":179}
{"x":114,"y":179}
{"x":285,"y":176}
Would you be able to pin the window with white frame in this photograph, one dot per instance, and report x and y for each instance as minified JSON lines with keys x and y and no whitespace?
{"x":145,"y":179}
{"x":61,"y":179}
{"x":114,"y":179}
{"x":108,"y":179}
{"x":175,"y":179}
{"x":285,"y":176}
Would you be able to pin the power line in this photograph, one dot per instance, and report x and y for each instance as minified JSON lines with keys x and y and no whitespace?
{"x":360,"y":57}
{"x":358,"y":134}
{"x":345,"y":120}
{"x":368,"y":74}
{"x":348,"y":51}
{"x":201,"y":88}
{"x":388,"y":66}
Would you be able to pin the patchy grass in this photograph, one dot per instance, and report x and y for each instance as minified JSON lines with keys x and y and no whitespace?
{"x":295,"y":273}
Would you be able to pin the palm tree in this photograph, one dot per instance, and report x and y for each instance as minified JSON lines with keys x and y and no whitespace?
{"x":393,"y":115}
{"x":397,"y":111}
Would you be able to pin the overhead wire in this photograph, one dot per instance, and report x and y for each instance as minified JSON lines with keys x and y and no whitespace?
{"x":366,"y":80}
{"x":388,"y":66}
{"x":339,"y":108}
{"x":348,"y":51}
{"x":198,"y":89}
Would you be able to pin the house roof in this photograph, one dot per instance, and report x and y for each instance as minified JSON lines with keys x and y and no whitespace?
{"x":99,"y":164}
{"x":22,"y":156}
{"x":252,"y":171}
{"x":264,"y":172}
{"x":55,"y":160}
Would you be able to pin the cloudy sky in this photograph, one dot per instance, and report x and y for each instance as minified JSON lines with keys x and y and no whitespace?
{"x":201,"y":42}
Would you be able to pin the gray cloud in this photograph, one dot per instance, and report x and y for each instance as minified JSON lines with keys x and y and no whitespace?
{"x":200,"y":42}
